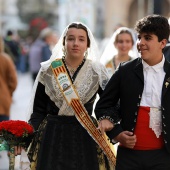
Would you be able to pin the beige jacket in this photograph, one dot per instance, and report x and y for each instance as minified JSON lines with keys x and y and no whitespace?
{"x":8,"y":80}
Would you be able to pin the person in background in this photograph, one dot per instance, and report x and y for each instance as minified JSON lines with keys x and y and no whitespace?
{"x":49,"y":37}
{"x":54,"y":40}
{"x":118,"y":49}
{"x":24,"y":55}
{"x":142,"y":86}
{"x":35,"y":57}
{"x":8,"y":82}
{"x":40,"y":50}
{"x":8,"y":51}
{"x":14,"y":47}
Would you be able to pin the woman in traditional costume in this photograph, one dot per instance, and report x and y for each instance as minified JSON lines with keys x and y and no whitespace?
{"x":120,"y":48}
{"x":62,"y":105}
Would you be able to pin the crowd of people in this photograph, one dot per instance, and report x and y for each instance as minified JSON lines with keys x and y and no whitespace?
{"x":27,"y":54}
{"x":132,"y":81}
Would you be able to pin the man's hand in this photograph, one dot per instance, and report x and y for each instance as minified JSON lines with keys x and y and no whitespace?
{"x":105,"y":125}
{"x":127,"y":139}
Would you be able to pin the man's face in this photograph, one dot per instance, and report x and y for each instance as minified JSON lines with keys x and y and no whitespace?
{"x":150,"y":48}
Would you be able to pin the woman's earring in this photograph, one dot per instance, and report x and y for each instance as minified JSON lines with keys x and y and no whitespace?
{"x":64,"y":51}
{"x":86,"y":54}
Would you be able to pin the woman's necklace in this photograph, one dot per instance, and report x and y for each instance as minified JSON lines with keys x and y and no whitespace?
{"x":71,"y":69}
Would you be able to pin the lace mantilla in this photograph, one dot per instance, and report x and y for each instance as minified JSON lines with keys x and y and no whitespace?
{"x":86,"y":83}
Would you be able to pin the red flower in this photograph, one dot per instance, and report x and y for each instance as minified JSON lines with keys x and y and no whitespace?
{"x":15,"y":130}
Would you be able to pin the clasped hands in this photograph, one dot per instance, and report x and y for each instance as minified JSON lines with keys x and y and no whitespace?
{"x":126,"y":138}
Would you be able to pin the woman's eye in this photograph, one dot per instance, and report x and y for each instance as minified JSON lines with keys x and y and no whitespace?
{"x":70,"y":39}
{"x":120,"y":41}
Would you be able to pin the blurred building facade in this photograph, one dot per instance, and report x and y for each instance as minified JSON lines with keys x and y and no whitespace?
{"x":126,"y":12}
{"x":101,"y":16}
{"x":9,"y":18}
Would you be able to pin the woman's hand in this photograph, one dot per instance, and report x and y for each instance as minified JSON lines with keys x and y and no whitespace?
{"x":105,"y":125}
{"x":18,"y":150}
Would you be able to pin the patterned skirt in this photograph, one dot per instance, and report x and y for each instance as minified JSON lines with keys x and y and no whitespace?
{"x":63,"y":144}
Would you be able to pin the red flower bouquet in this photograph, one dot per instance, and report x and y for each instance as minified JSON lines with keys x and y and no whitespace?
{"x":15,"y":133}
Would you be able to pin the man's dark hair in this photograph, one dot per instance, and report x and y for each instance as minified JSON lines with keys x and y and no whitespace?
{"x":79,"y":26}
{"x":154,"y":24}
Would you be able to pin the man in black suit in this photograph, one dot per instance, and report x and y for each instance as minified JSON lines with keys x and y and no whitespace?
{"x":141,"y":123}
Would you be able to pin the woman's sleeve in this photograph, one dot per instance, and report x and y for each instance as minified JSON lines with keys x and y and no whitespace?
{"x":39,"y":106}
{"x":108,"y":106}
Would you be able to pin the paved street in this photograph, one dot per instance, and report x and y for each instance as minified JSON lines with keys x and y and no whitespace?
{"x":19,"y":109}
{"x":21,"y":97}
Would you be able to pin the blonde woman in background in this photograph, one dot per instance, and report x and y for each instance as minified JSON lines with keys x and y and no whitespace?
{"x":119,"y":49}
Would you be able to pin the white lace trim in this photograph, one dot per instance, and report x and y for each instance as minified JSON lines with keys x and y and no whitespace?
{"x":155,"y":121}
{"x":86,"y":83}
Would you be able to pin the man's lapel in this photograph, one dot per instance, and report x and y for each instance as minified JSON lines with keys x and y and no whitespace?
{"x":166,"y":83}
{"x":139,"y":70}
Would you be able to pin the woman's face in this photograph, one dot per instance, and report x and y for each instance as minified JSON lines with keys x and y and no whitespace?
{"x":124,"y":43}
{"x":75,"y":43}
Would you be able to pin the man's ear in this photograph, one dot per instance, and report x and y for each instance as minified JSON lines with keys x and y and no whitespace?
{"x":163,"y":43}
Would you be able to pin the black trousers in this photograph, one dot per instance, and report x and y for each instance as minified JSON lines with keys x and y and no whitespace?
{"x":128,"y":159}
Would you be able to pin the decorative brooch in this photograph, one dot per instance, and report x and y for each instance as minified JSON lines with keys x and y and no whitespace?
{"x":167,"y":82}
